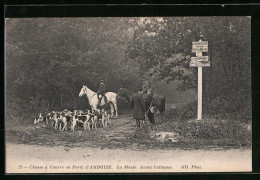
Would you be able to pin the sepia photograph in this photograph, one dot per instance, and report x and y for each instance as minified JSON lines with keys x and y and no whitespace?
{"x":128,"y":94}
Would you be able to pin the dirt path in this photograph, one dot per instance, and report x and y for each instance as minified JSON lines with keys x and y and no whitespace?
{"x":121,"y":133}
{"x":119,"y":148}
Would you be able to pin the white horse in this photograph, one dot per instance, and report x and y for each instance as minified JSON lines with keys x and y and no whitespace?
{"x":93,"y":99}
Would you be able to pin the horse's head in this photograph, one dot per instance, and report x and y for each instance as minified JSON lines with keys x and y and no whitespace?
{"x":83,"y":91}
{"x":123,"y":93}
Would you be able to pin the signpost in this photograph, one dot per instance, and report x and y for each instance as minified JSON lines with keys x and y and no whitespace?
{"x":200,"y":58}
{"x":200,"y":46}
{"x":200,"y":61}
{"x":199,"y":64}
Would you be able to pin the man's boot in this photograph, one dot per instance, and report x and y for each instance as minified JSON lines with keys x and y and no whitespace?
{"x":138,"y":124}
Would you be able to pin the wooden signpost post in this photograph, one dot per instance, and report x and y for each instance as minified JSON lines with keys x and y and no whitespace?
{"x":200,"y":61}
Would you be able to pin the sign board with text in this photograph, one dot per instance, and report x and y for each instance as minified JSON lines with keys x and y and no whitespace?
{"x":200,"y":58}
{"x":200,"y":64}
{"x":200,"y":46}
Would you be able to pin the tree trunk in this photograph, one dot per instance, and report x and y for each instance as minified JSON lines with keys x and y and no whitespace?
{"x":74,"y":100}
{"x":52,"y":104}
{"x":61,"y":98}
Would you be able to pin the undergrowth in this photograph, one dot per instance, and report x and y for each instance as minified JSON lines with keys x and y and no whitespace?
{"x":226,"y":119}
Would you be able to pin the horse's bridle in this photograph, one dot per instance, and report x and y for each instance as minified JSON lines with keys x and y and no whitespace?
{"x":92,"y":97}
{"x":87,"y":96}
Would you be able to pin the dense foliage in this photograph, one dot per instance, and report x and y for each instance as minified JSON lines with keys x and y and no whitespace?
{"x":49,"y":59}
{"x":163,"y":45}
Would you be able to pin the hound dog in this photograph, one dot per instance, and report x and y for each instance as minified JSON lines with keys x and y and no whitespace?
{"x":96,"y":117}
{"x":109,"y":116}
{"x":66,"y":119}
{"x":83,"y":120}
{"x":39,"y":119}
{"x":104,"y":118}
{"x":45,"y":118}
{"x":74,"y":121}
{"x":35,"y":120}
{"x":48,"y":116}
{"x":54,"y":119}
{"x":62,"y":121}
{"x":89,"y":119}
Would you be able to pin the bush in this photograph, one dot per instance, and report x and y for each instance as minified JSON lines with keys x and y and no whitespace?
{"x":186,"y":112}
{"x":236,"y":107}
{"x":20,"y":111}
{"x":14,"y":109}
{"x":226,"y":119}
{"x":228,"y":132}
{"x":38,"y":105}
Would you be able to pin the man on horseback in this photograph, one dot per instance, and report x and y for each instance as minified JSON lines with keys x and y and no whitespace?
{"x":101,"y":91}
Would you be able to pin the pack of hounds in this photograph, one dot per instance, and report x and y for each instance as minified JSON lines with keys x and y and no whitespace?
{"x":90,"y":119}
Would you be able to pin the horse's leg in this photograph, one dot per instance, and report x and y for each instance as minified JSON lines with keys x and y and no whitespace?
{"x":116,"y":108}
{"x":112,"y":109}
{"x":161,"y":113}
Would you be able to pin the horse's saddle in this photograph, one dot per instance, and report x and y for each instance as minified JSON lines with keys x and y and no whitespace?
{"x":100,"y":99}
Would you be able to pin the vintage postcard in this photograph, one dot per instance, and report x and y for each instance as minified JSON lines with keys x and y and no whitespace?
{"x":128,"y":94}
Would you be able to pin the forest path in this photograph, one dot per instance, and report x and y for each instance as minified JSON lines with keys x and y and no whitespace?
{"x":31,"y":148}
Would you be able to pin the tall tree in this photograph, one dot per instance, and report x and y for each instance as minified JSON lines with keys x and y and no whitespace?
{"x":162,"y":47}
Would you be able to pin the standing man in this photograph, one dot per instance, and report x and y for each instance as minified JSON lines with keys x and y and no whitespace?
{"x":146,"y":87}
{"x":101,"y":91}
{"x":138,"y":104}
{"x":148,"y":99}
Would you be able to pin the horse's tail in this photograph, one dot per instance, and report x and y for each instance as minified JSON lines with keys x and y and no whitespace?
{"x":160,"y":103}
{"x":112,"y":105}
{"x":163,"y":104}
